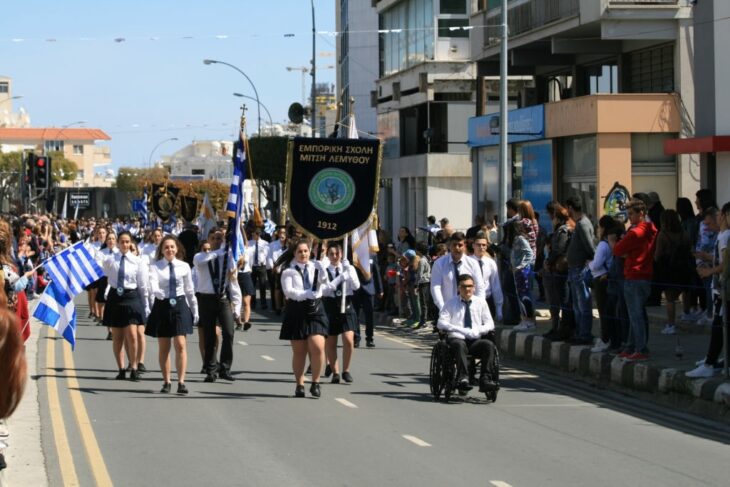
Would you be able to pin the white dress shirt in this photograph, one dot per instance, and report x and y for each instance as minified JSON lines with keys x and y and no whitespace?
{"x":160,"y":282}
{"x":205,"y":279}
{"x":443,"y":280}
{"x":275,"y":251}
{"x":135,"y":273}
{"x":262,"y":252}
{"x":293,"y":286}
{"x":451,"y":318}
{"x":352,"y":283}
{"x":490,"y":276}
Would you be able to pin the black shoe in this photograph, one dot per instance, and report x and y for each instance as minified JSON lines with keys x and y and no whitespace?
{"x":166,"y":387}
{"x":246,"y":326}
{"x":141,"y":368}
{"x":473,"y":381}
{"x":134,"y":375}
{"x":346,"y":377}
{"x":239,"y":327}
{"x":314,"y":389}
{"x":210,"y":378}
{"x":129,"y":368}
{"x":226,"y":376}
{"x":109,"y":336}
{"x":357,"y":343}
{"x":202,"y":370}
{"x":181,"y":388}
{"x":486,"y":385}
{"x":335,"y":378}
{"x":328,"y":371}
{"x":299,"y":391}
{"x":370,"y":343}
{"x":463,"y":384}
{"x":122,"y":375}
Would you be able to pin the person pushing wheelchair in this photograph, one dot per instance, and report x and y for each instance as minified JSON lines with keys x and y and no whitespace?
{"x":466,"y":320}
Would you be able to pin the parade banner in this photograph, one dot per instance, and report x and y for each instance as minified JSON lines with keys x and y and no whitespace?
{"x":163,"y":200}
{"x":188,"y":208}
{"x":332,"y":184}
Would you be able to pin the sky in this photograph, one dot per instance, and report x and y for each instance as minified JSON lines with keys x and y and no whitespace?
{"x":153,"y":85}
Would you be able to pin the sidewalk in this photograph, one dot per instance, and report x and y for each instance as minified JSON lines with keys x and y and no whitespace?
{"x":662,"y":376}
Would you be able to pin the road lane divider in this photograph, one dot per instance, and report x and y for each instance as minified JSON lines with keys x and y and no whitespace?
{"x":499,"y":483}
{"x":267,"y":358}
{"x":93,"y":452}
{"x":242,"y":343}
{"x":346,"y":403}
{"x":416,"y":441}
{"x":63,"y":448}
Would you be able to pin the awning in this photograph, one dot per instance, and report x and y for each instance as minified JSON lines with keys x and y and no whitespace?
{"x":697,"y":145}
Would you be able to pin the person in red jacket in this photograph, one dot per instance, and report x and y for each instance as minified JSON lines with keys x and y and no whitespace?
{"x":637,"y":249}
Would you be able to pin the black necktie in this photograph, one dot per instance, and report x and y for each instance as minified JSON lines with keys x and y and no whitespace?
{"x":173,"y":282}
{"x":120,"y":275}
{"x":467,"y":314}
{"x":456,"y":275}
{"x":256,"y":255}
{"x":305,"y":277}
{"x":481,"y":266}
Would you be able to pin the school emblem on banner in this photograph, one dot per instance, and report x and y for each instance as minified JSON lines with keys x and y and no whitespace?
{"x":616,"y":200}
{"x":163,"y":200}
{"x":188,"y":207}
{"x":332,"y":184}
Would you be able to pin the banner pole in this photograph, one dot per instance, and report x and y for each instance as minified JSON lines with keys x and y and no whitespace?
{"x":343,"y":304}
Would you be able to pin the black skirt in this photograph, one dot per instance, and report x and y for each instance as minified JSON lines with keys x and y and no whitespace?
{"x":245,"y":282}
{"x":167,"y":320}
{"x":101,"y":293}
{"x":302,"y":319}
{"x":339,"y":322}
{"x":124,"y":310}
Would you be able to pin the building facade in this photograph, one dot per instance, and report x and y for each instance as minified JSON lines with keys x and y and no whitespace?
{"x":424,"y":97}
{"x":9,"y":117}
{"x":612,"y":81}
{"x":77,"y":144}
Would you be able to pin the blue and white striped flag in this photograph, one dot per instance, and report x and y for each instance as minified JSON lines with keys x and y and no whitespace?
{"x":235,"y":204}
{"x":70,"y":272}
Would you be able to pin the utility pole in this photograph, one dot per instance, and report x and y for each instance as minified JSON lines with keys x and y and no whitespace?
{"x":504,"y":168}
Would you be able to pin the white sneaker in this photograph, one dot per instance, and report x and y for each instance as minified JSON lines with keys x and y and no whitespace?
{"x":669,"y":329}
{"x":704,"y":321}
{"x":698,"y":313}
{"x":600,"y":346}
{"x":524,"y":325}
{"x":701,"y":361}
{"x":691,"y":316}
{"x":701,"y":371}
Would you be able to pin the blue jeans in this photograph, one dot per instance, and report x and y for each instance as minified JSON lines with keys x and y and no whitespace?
{"x":582,"y":302}
{"x":636,"y":293}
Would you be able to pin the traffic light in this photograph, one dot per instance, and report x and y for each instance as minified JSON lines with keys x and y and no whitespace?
{"x":42,"y":175}
{"x":30,"y":163}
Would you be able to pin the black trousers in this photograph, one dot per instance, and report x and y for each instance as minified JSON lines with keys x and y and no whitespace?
{"x":364,"y":301}
{"x":481,"y":348}
{"x":260,"y":281}
{"x":215,"y":310}
{"x":716,"y":337}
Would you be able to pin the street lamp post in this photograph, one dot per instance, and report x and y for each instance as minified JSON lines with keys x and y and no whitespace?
{"x":16,"y":97}
{"x":241,"y":95}
{"x":149,"y":160}
{"x":314,"y":74}
{"x":258,"y":100}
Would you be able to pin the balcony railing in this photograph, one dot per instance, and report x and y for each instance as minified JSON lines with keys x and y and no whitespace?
{"x":528,"y":16}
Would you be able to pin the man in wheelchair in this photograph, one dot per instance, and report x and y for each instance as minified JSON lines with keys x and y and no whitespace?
{"x":466,"y":320}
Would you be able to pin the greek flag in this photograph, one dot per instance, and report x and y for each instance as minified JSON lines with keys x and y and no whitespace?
{"x":70,"y":272}
{"x":235,"y":204}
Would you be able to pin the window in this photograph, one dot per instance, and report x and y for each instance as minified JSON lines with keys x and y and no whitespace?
{"x":78,"y":150}
{"x":409,"y":39}
{"x":198,"y":172}
{"x":649,"y":71}
{"x":4,"y":87}
{"x":602,"y":79}
{"x":54,"y":145}
{"x":578,"y":168}
{"x":453,"y":28}
{"x":453,"y":7}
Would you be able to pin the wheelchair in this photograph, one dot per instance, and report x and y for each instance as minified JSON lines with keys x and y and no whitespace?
{"x":444,"y":371}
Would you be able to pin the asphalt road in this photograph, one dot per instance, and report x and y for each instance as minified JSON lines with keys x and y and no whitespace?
{"x":383,"y":429}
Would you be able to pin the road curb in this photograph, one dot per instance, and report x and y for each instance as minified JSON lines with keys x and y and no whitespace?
{"x":604,"y":368}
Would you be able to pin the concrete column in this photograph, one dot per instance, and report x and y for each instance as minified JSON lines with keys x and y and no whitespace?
{"x":613,"y":163}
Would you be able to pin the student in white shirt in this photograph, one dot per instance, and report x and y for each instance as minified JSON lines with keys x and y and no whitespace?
{"x":449,"y":267}
{"x":126,"y":306}
{"x":492,"y":289}
{"x":175,"y":309}
{"x":276,"y":248}
{"x":467,"y":321}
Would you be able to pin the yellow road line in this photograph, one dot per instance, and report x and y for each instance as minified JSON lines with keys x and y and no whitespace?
{"x":93,"y":453}
{"x":65,"y":459}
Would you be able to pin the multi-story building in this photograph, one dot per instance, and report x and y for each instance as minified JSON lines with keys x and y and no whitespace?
{"x":612,"y":81}
{"x":424,"y":96}
{"x":711,"y":142}
{"x":77,"y":144}
{"x":8,"y":117}
{"x":357,"y":59}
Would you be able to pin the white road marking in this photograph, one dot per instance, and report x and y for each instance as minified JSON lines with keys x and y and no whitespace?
{"x":400,"y":341}
{"x":345,"y":403}
{"x":242,"y":343}
{"x":499,"y":483}
{"x":416,"y":441}
{"x":266,"y":357}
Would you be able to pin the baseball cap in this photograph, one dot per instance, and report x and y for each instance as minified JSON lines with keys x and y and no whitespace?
{"x":409,"y":254}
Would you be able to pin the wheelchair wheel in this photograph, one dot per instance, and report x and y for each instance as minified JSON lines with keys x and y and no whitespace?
{"x":435,"y":371}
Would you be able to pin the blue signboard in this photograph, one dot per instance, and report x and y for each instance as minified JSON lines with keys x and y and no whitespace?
{"x":524,"y":124}
{"x":537,"y":177}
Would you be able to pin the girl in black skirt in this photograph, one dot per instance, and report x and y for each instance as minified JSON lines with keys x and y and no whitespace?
{"x":175,"y":309}
{"x":126,"y":305}
{"x":343,"y":324}
{"x":305,"y":322}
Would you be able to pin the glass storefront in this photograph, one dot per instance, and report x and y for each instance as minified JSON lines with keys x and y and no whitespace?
{"x":577,"y":165}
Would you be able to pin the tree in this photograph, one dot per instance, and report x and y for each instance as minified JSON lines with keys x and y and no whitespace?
{"x":10,"y":165}
{"x":133,"y":179}
{"x":62,"y":169}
